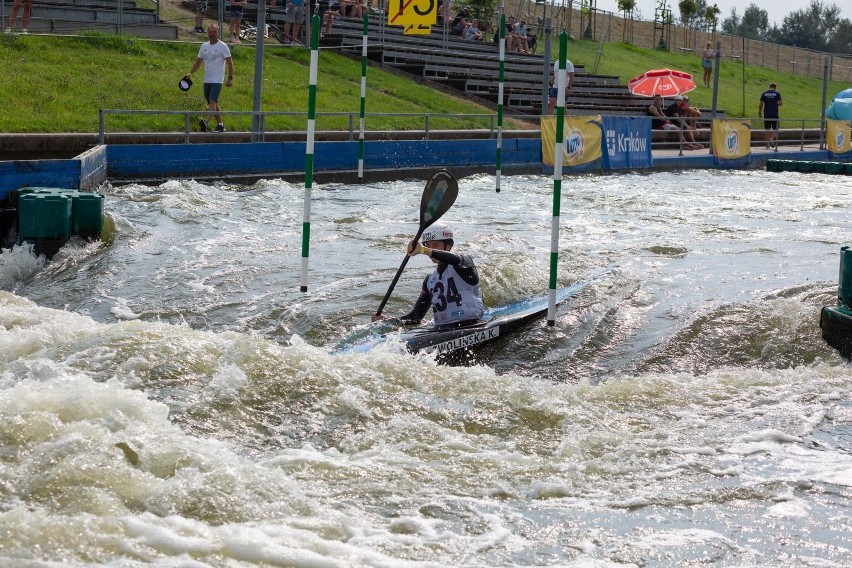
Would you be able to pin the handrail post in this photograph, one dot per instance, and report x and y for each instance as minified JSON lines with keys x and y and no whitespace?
{"x":101,"y":126}
{"x":426,"y":126}
{"x":186,"y":128}
{"x":351,"y":126}
{"x":802,"y":146}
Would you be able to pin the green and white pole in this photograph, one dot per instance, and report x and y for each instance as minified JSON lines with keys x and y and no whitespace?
{"x":557,"y":177}
{"x":501,"y":78}
{"x":363,"y":111}
{"x":309,"y":148}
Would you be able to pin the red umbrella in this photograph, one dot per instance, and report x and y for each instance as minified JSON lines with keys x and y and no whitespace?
{"x":665,"y":82}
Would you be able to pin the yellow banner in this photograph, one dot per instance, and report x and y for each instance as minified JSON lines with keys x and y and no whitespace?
{"x":731,"y":138}
{"x":415,"y":16}
{"x":581,"y":144}
{"x":838,"y":132}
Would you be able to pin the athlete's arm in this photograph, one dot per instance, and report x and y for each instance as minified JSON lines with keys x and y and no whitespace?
{"x":421,"y":306}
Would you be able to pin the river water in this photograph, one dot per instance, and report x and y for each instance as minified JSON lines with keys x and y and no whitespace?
{"x":169,"y":398}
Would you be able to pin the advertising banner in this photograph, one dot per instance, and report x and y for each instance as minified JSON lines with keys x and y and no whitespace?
{"x":732,"y":142}
{"x":628,"y":142}
{"x":581,"y":148}
{"x":837,"y":134}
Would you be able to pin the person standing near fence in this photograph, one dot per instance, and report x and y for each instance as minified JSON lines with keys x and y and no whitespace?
{"x":707,"y":63}
{"x":214,"y":54}
{"x":237,"y":8}
{"x":293,"y":21}
{"x":25,"y":21}
{"x":768,"y":108}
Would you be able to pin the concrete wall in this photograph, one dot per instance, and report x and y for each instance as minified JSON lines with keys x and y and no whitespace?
{"x":86,"y":172}
{"x":134,"y":161}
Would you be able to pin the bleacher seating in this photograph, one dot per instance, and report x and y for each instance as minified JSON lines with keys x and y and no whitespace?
{"x":473,"y":69}
{"x":74,"y":16}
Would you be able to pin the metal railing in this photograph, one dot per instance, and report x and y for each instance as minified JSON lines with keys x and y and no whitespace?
{"x":260,"y":135}
{"x":811,"y":132}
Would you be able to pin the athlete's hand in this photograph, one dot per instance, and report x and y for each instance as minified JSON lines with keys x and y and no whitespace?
{"x":413,"y":248}
{"x":377,"y":317}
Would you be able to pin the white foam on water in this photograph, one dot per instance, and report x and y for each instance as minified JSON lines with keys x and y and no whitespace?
{"x":161,"y":443}
{"x":17,"y":265}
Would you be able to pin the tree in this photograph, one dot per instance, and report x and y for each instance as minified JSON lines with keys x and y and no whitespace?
{"x":731,"y":24}
{"x":480,"y":9}
{"x":688,"y":10}
{"x":753,"y":25}
{"x":711,"y":17}
{"x":814,"y":27}
{"x":842,"y":40}
{"x":627,"y":7}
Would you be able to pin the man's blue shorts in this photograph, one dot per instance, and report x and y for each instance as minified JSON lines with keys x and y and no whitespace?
{"x":211,"y":92}
{"x":553,"y":92}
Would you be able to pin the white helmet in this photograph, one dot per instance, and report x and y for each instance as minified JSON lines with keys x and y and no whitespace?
{"x":438,"y":233}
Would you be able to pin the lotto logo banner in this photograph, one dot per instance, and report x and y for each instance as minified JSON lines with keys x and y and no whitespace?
{"x":731,"y":141}
{"x":837,"y":132}
{"x":582,"y":137}
{"x":627,"y":142}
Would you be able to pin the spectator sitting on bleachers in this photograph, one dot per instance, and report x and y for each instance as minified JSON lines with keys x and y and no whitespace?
{"x":522,"y":31}
{"x":459,"y":24}
{"x":473,"y":32}
{"x":690,"y":113}
{"x":332,"y":12}
{"x":660,"y":120}
{"x":514,"y":42}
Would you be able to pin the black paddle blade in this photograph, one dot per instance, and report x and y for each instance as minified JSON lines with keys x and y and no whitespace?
{"x":438,"y":196}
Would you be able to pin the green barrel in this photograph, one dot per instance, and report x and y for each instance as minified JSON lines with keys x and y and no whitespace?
{"x":773,"y":166}
{"x":836,"y":325}
{"x":788,"y":166}
{"x":848,"y":168}
{"x":806,"y":166}
{"x":833,"y":167}
{"x":819,"y":167}
{"x":43,"y":215}
{"x":844,"y":292}
{"x":87,"y":213}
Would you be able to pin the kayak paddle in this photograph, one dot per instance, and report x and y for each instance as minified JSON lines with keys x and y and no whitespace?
{"x":438,"y":196}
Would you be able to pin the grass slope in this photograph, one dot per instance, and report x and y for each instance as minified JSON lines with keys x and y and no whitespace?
{"x":58,"y":84}
{"x":802,"y":95}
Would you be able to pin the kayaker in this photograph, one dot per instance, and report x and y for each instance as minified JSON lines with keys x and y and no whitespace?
{"x":452,"y":290}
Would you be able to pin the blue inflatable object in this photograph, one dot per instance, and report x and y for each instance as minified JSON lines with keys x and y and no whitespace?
{"x":845,"y":94}
{"x":840,"y":109}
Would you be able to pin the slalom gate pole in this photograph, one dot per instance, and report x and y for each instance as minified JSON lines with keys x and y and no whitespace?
{"x":557,"y":177}
{"x":502,"y":33}
{"x":309,"y":149}
{"x":362,"y":113}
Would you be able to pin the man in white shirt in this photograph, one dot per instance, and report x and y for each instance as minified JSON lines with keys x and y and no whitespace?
{"x":554,"y":92}
{"x":214,"y":54}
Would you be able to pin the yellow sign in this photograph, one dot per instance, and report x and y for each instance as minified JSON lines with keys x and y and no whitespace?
{"x":838,"y":136}
{"x":731,"y":138}
{"x":581,"y":144}
{"x":416,"y":16}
